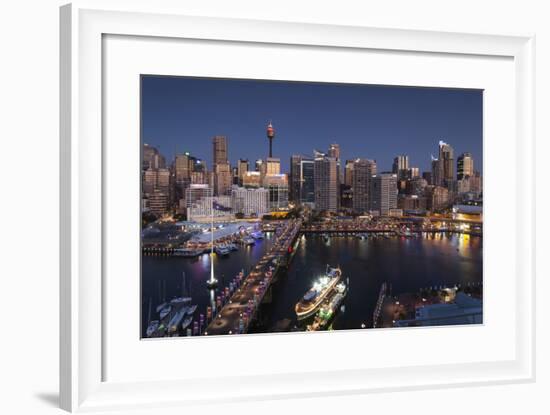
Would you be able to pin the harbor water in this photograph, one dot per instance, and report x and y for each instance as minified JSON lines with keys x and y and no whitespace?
{"x":406,"y":264}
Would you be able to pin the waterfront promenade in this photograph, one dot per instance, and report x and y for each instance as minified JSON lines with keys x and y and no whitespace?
{"x":241,"y":309}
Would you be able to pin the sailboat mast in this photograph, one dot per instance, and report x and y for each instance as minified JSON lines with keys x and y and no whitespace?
{"x":212,"y":241}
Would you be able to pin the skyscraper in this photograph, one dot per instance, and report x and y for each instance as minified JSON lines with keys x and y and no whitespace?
{"x":383,"y":189}
{"x":221,"y":167}
{"x":219,"y":150}
{"x":270,"y":136}
{"x":302,"y":179}
{"x":437,"y":172}
{"x":334,"y":151}
{"x":294,"y":179}
{"x":242,"y":168}
{"x":363,"y":170}
{"x":151,"y":158}
{"x":325,"y":183}
{"x":222,"y":179}
{"x":446,"y":159}
{"x":401,"y":166}
{"x":277,"y":185}
{"x":273,"y":166}
{"x":465,"y":166}
{"x":348,"y":172}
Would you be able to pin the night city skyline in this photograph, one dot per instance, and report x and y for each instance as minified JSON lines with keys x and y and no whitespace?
{"x":272,"y":206}
{"x":183,"y":114}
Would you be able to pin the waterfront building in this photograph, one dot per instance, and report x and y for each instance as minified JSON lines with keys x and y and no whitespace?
{"x":203,"y":206}
{"x":346,"y":196}
{"x":325,"y":177}
{"x":383,"y":193}
{"x":465,"y":166}
{"x":437,"y":197}
{"x":400,"y":166}
{"x":411,"y":203}
{"x":463,"y":310}
{"x":363,"y":170}
{"x":249,"y":202}
{"x":157,"y":201}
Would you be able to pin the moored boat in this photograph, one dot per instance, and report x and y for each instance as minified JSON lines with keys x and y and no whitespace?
{"x":152,"y":328}
{"x":165,"y":311}
{"x":187,"y":252}
{"x":312,"y":300}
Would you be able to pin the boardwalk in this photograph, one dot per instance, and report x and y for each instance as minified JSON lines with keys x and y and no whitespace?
{"x":237,"y":314}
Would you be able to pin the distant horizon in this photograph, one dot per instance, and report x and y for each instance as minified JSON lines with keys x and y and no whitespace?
{"x":182,"y":114}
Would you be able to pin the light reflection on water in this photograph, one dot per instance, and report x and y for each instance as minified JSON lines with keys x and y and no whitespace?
{"x":408,"y":264}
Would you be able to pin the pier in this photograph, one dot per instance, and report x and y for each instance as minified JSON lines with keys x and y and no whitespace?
{"x":242,"y":307}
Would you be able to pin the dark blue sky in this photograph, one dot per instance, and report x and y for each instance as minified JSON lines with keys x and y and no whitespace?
{"x":378,"y":122}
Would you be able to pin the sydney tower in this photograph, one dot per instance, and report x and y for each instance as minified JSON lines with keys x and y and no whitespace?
{"x":270,"y":136}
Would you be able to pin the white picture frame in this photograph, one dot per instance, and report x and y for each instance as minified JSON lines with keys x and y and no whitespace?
{"x":84,"y":26}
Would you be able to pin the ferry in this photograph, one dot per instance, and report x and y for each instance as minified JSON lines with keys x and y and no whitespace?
{"x":312,"y":300}
{"x":187,"y":252}
{"x":328,"y":310}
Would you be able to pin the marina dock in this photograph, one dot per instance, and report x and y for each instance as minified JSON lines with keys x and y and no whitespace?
{"x":242,"y":307}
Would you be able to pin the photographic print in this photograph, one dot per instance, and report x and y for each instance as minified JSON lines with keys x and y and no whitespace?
{"x":284,"y":206}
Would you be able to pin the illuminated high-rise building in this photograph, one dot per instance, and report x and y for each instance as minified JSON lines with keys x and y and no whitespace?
{"x":222,"y":179}
{"x":348,"y":172}
{"x":446,"y":160}
{"x":219,"y":150}
{"x":363,"y":170}
{"x":273,"y":166}
{"x":302,"y":179}
{"x":242,"y":168}
{"x":325,"y":172}
{"x":401,"y":166}
{"x":465,"y":166}
{"x":334,"y":151}
{"x":383,"y":193}
{"x":151,"y":158}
